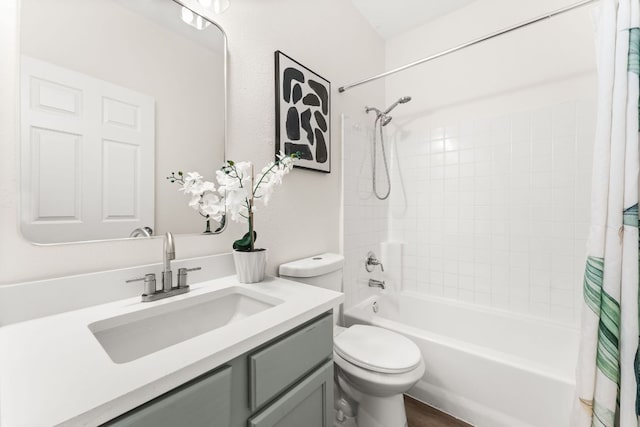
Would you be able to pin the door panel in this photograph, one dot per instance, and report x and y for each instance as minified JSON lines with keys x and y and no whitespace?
{"x":73,"y":126}
{"x":203,"y":402}
{"x":309,"y":403}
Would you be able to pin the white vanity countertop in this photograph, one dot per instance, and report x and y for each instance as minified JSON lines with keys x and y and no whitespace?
{"x":53,"y":371}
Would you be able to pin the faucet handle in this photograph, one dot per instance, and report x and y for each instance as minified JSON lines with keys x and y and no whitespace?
{"x":372,"y":261}
{"x":149,"y":283}
{"x":182,"y":276}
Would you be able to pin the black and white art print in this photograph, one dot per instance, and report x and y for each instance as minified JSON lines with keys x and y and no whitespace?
{"x":303,"y":114}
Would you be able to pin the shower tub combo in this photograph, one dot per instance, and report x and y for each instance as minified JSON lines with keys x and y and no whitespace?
{"x":487,"y":367}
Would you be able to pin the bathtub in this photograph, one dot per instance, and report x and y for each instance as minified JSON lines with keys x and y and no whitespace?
{"x":487,"y":367}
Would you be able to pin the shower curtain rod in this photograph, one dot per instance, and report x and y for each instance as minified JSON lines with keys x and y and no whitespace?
{"x":470,"y":43}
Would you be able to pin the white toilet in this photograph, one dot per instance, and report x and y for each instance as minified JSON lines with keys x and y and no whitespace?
{"x":374,"y":366}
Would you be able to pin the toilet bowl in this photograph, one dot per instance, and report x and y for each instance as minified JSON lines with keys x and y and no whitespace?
{"x":374,"y":366}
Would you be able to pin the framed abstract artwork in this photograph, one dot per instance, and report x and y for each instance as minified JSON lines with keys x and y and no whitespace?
{"x":303,"y":114}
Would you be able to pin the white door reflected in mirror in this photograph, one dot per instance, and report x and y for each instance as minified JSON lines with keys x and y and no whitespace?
{"x":72,"y":126}
{"x":116,"y":95}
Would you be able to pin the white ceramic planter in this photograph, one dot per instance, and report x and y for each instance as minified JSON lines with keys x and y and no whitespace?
{"x":250,"y":266}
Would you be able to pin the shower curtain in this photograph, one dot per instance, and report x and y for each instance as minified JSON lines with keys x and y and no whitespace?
{"x":608,"y":379}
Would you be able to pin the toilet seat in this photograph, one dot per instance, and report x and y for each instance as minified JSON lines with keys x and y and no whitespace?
{"x":377,"y":349}
{"x":377,"y":383}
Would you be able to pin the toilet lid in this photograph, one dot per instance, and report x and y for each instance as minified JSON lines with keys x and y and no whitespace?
{"x":377,"y":349}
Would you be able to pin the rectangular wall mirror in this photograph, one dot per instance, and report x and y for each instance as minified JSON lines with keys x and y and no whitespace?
{"x":115,"y":95}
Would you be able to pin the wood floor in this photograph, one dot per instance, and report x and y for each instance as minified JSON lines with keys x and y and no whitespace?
{"x":421,"y":415}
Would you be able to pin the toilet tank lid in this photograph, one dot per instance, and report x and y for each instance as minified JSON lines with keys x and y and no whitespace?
{"x":313,"y":266}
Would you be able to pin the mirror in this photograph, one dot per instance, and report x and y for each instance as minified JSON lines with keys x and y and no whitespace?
{"x":115,"y":95}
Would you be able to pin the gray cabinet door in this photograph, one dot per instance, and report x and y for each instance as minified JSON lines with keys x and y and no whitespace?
{"x":274,"y":369}
{"x":308,"y":404}
{"x":203,"y":402}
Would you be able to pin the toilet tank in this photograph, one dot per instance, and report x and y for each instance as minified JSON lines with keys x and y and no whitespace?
{"x":323,"y":270}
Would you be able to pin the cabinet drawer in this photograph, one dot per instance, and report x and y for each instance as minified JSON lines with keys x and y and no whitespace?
{"x":273,"y":369}
{"x":308,"y":404}
{"x":203,"y":402}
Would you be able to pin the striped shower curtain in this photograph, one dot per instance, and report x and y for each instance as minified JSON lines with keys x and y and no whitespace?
{"x":608,"y":392}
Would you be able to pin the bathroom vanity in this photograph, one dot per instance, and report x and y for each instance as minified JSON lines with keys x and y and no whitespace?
{"x":287,"y":382}
{"x":224,"y":354}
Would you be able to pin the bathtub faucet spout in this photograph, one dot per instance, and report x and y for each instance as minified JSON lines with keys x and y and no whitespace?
{"x":376,"y":283}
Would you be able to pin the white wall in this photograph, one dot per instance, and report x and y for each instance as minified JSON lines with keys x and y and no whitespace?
{"x":495,"y":149}
{"x":304,"y":216}
{"x":545,"y":63}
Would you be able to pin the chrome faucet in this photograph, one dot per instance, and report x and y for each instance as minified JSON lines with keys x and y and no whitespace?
{"x":371,"y":262}
{"x":169,"y":254}
{"x":142,"y":232}
{"x":150,"y":292}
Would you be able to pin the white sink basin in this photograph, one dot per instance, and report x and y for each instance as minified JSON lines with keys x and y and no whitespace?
{"x":133,"y":335}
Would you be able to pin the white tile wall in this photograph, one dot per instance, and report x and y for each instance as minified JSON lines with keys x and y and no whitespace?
{"x":365,"y":217}
{"x":492,"y":211}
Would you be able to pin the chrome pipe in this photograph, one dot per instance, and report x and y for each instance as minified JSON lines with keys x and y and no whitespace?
{"x":142,"y":231}
{"x":169,"y":254}
{"x":470,"y":43}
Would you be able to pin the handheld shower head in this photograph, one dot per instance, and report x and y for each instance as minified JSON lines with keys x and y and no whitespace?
{"x":383,"y":116}
{"x":402,"y":100}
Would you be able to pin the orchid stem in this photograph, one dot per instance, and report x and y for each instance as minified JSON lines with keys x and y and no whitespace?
{"x":251,"y":212}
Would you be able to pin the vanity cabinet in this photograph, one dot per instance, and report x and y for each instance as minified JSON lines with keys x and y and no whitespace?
{"x":280,"y":364}
{"x":308,"y":404}
{"x":202,"y":402}
{"x":287,"y":382}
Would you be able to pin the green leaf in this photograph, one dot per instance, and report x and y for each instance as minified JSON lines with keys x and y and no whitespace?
{"x":244,"y":244}
{"x":636,"y":368}
{"x":630,"y":216}
{"x":633,"y":63}
{"x":608,"y":310}
{"x":602,"y":416}
{"x":608,"y":352}
{"x":593,"y":279}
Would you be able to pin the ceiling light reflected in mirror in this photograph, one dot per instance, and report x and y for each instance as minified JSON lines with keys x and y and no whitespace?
{"x":196,"y":21}
{"x":190,"y":18}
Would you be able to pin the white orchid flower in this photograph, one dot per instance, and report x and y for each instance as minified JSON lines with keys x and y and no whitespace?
{"x":236,"y":189}
{"x":190,"y":180}
{"x":211,"y":206}
{"x":201,"y":187}
{"x":194,"y":203}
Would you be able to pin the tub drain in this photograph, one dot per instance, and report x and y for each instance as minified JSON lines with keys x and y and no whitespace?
{"x":375,"y":307}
